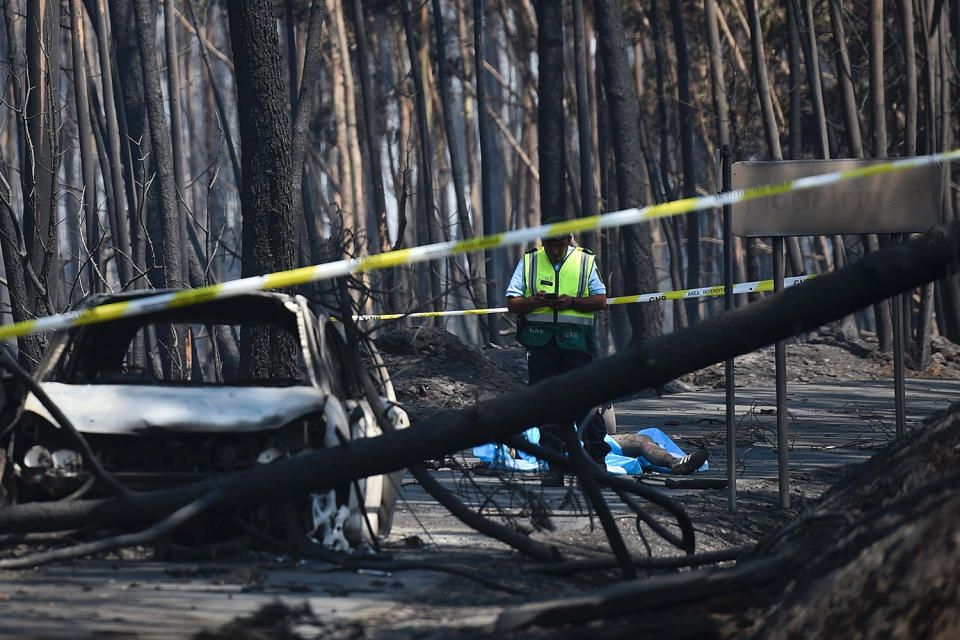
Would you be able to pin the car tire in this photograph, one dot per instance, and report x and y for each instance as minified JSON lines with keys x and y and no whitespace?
{"x":388,"y":502}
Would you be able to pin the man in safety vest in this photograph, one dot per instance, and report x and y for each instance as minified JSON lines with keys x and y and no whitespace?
{"x":556,"y":290}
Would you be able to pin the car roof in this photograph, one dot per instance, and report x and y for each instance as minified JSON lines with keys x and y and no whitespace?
{"x":253,"y":305}
{"x":96,"y":299}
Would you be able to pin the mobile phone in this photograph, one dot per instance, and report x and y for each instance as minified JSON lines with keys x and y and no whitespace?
{"x":550,"y":296}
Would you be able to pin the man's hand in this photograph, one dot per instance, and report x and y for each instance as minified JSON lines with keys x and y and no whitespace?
{"x":526,"y":305}
{"x":562,"y":303}
{"x":540,"y":299}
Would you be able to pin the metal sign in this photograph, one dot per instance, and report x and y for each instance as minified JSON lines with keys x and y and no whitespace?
{"x":894,"y":202}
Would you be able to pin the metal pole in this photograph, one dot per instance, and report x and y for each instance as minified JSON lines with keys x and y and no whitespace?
{"x":780,"y":359}
{"x":727,"y":164}
{"x":901,"y":306}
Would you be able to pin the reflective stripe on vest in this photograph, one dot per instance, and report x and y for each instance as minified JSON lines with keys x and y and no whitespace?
{"x":572,"y":280}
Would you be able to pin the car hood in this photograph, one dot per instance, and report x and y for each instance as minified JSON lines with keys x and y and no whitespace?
{"x":140,"y":409}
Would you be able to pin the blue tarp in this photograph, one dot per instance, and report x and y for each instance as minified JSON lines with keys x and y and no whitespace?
{"x":498,"y":455}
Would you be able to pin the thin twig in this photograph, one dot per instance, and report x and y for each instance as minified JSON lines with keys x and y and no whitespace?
{"x":671,"y":562}
{"x":171,"y":522}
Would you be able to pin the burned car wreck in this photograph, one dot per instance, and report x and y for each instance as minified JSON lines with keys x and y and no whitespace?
{"x":168,"y":398}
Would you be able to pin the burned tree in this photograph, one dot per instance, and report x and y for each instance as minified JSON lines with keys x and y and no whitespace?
{"x":269,"y":232}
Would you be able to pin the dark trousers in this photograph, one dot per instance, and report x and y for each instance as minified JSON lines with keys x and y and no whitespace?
{"x":550,"y":360}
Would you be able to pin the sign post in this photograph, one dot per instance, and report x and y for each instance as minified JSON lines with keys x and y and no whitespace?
{"x":905,"y":202}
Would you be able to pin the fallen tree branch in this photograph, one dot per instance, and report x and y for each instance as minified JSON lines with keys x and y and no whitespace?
{"x":518,"y":541}
{"x":650,"y":521}
{"x":670,"y":562}
{"x":587,"y":472}
{"x":171,"y":522}
{"x":877,"y":276}
{"x":35,"y":538}
{"x":630,"y":597}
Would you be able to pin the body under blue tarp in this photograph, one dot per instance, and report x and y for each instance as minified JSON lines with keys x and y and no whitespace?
{"x":498,"y":455}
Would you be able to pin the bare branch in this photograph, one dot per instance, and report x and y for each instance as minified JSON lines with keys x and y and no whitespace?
{"x":174,"y":520}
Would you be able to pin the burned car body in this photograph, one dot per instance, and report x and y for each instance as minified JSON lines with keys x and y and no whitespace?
{"x":166,"y":398}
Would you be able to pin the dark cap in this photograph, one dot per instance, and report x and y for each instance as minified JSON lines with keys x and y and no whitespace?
{"x":554,"y":220}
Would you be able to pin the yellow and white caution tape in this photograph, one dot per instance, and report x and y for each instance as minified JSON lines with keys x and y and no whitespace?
{"x":414,"y":255}
{"x":681,"y":294}
{"x":428,"y":314}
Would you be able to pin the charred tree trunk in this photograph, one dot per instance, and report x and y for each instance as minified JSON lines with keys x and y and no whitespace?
{"x":610,"y":243}
{"x":12,"y":244}
{"x":909,"y":79}
{"x":371,"y":143}
{"x":811,"y":53}
{"x":932,"y":139}
{"x":878,"y":117}
{"x":134,"y":129}
{"x":427,"y":218}
{"x":551,"y":139}
{"x":164,"y":227}
{"x":486,"y":152}
{"x":948,"y":290}
{"x":269,"y":233}
{"x":40,"y":162}
{"x":349,"y":162}
{"x":719,"y":93}
{"x":218,"y":98}
{"x":663,"y":184}
{"x":762,"y":83}
{"x":851,"y":114}
{"x":637,"y":259}
{"x":662,"y":116}
{"x":85,"y":136}
{"x":881,"y":311}
{"x":669,"y":229}
{"x":113,"y":171}
{"x":176,"y":133}
{"x":793,"y":61}
{"x":456,"y":172}
{"x":844,"y":78}
{"x":686,"y":119}
{"x":794,"y":255}
{"x":588,"y":200}
{"x":815,"y":82}
{"x":304,"y":95}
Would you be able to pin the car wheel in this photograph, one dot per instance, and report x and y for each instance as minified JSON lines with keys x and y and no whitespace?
{"x":355,"y":513}
{"x":400,"y":420}
{"x":366,"y":494}
{"x":391,"y":483}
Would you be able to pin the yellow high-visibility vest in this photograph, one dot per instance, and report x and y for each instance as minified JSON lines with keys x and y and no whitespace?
{"x":572,"y":279}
